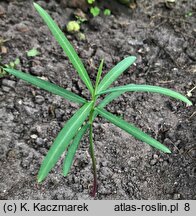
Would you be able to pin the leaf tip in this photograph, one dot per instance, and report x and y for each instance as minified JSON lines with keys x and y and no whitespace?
{"x":35,"y":4}
{"x":40,"y":177}
{"x":39,"y":180}
{"x":65,"y":171}
{"x":167,"y":151}
{"x":132,"y":58}
{"x":189,"y":103}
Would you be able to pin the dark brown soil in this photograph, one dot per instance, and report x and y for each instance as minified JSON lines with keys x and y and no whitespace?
{"x":162,"y":37}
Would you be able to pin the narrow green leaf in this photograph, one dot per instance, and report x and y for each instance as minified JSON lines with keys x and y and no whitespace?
{"x":63,"y":139}
{"x":67,"y":47}
{"x":131,"y":129}
{"x":115,"y":72}
{"x":72,"y":149}
{"x":99,"y":75}
{"x":46,"y":85}
{"x":148,"y":88}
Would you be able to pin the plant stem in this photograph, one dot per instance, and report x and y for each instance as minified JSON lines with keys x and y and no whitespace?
{"x":94,"y":98}
{"x":94,"y":190}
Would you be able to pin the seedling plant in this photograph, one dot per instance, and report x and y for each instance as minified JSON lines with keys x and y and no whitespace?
{"x":74,"y":129}
{"x":90,"y":1}
{"x":73,"y":26}
{"x":13,"y":64}
{"x":95,"y":11}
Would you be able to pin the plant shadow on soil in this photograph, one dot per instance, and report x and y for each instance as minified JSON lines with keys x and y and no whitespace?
{"x":163,"y":39}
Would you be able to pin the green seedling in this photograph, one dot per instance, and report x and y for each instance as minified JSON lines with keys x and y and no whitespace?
{"x":95,"y":11}
{"x":80,"y":20}
{"x":107,"y":12}
{"x":33,"y":52}
{"x":74,"y":129}
{"x":189,"y":14}
{"x":73,"y":26}
{"x":90,"y":1}
{"x":11,"y":64}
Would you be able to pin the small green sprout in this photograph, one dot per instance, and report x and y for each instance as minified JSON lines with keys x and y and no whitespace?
{"x":80,"y":20}
{"x":90,"y":1}
{"x":107,"y":12}
{"x":95,"y":11}
{"x":33,"y":52}
{"x":11,"y":64}
{"x":71,"y":134}
{"x":189,"y":14}
{"x":73,"y":26}
{"x":81,"y":36}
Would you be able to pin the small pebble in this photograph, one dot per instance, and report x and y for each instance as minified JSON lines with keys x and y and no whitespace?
{"x":3,"y":50}
{"x":104,"y":163}
{"x":165,"y":163}
{"x":155,"y":156}
{"x":39,"y":141}
{"x":34,"y":136}
{"x":8,"y":83}
{"x":59,"y":113}
{"x":37,"y":70}
{"x":153,"y":162}
{"x":30,"y":111}
{"x":39,"y":99}
{"x":21,"y":27}
{"x":167,"y":141}
{"x":5,"y":88}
